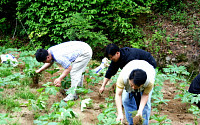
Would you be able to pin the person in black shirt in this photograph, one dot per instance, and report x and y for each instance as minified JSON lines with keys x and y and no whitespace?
{"x":120,"y":57}
{"x":195,"y":87}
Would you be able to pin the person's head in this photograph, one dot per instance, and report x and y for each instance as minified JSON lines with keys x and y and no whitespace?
{"x":137,"y":78}
{"x":42,"y":55}
{"x":112,"y":52}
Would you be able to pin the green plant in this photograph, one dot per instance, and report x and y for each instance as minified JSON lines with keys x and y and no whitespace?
{"x":93,"y":78}
{"x":9,"y":103}
{"x":41,"y":102}
{"x":5,"y":119}
{"x":101,"y":106}
{"x":155,"y":41}
{"x":83,"y":91}
{"x":52,"y":71}
{"x":49,"y":89}
{"x":196,"y":112}
{"x":161,"y":120}
{"x":158,"y":99}
{"x":73,"y":90}
{"x":179,"y":17}
{"x":60,"y":113}
{"x":30,"y":66}
{"x":196,"y":36}
{"x":108,"y":115}
{"x":95,"y":22}
{"x":5,"y":70}
{"x":25,"y":93}
{"x":158,"y":85}
{"x":66,"y":82}
{"x":12,"y":80}
{"x":174,"y":73}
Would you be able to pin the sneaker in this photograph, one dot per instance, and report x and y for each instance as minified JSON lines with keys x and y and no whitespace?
{"x":70,"y":97}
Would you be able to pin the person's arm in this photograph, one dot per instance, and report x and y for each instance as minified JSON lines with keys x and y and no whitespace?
{"x":105,"y":81}
{"x":143,"y":102}
{"x":118,"y":101}
{"x":112,"y":70}
{"x":57,"y":81}
{"x":45,"y":66}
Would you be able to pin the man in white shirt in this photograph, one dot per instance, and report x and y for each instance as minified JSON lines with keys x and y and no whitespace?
{"x":73,"y":56}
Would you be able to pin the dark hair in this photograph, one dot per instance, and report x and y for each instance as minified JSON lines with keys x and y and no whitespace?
{"x":139,"y":77}
{"x":111,"y":49}
{"x":41,"y":55}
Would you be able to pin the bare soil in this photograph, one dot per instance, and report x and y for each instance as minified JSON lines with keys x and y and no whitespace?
{"x":175,"y":109}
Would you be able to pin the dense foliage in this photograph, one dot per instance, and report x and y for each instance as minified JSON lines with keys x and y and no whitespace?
{"x":96,"y":22}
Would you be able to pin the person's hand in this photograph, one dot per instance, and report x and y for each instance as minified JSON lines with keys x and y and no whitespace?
{"x":120,"y":118}
{"x":57,"y":82}
{"x":101,"y":89}
{"x":139,"y":113}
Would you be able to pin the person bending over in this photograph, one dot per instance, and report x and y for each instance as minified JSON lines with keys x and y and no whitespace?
{"x":120,"y":57}
{"x":134,"y":89}
{"x":73,"y":56}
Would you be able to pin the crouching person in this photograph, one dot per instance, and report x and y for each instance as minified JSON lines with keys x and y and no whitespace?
{"x":134,"y":89}
{"x":195,"y":87}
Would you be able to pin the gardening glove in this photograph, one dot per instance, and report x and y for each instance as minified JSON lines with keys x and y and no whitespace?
{"x":57,"y":82}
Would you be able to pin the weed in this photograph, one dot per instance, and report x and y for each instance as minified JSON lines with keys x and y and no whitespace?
{"x":25,"y":94}
{"x":9,"y":103}
{"x":108,"y":115}
{"x":161,"y":120}
{"x":5,"y":119}
{"x":157,"y":98}
{"x":5,"y":70}
{"x":101,"y":106}
{"x":196,"y":112}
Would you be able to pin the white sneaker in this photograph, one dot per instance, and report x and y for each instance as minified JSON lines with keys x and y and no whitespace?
{"x":70,"y":97}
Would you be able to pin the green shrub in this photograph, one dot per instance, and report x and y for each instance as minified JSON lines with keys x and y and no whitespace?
{"x":95,"y":22}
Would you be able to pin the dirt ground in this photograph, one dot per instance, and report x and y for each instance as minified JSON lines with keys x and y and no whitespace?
{"x":175,"y":110}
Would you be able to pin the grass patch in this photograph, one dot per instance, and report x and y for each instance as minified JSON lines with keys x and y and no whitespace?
{"x":26,"y":94}
{"x":8,"y":103}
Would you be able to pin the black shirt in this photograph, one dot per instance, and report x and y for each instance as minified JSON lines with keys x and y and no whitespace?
{"x":195,"y":85}
{"x":126,"y":55}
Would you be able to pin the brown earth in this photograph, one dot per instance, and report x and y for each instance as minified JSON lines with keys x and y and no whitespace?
{"x":175,"y":109}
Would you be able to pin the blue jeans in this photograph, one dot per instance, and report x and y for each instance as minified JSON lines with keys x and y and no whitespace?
{"x":130,"y":105}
